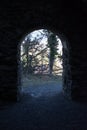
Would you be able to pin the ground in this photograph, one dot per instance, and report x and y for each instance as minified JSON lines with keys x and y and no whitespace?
{"x":41,"y":85}
{"x":44,"y":110}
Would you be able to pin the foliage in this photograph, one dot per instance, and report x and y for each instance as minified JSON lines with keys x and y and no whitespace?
{"x":37,"y":57}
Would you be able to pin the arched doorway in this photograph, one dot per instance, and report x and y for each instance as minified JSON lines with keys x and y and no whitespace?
{"x":42,"y":63}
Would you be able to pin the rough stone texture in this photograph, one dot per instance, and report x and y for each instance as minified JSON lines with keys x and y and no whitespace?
{"x":67,"y":79}
{"x":66,"y":18}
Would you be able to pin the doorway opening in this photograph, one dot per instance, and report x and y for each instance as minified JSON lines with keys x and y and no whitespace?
{"x":41,"y":63}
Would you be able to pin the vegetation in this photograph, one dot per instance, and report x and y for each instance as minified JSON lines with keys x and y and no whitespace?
{"x":39,"y":54}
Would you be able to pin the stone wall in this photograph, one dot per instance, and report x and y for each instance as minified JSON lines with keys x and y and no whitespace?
{"x":18,"y":19}
{"x":67,"y":78}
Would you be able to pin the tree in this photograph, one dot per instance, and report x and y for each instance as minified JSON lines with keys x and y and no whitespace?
{"x":31,"y":49}
{"x":36,"y":54}
{"x":52,"y":44}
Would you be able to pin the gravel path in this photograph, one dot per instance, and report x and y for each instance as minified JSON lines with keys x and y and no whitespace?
{"x":44,"y":110}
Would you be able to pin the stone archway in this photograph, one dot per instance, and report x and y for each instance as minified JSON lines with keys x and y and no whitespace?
{"x":21,"y":17}
{"x":67,"y":81}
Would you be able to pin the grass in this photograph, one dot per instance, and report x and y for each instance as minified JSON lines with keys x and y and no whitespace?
{"x":34,"y":80}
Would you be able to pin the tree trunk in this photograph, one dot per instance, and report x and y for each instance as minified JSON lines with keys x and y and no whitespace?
{"x":52,"y":41}
{"x":51,"y":62}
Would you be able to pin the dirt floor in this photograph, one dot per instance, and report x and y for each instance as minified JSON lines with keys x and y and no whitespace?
{"x":47,"y":110}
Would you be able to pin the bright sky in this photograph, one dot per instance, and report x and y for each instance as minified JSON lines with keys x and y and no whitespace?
{"x":44,"y":40}
{"x":37,"y":34}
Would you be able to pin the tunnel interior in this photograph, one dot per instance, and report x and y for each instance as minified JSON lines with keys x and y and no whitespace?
{"x":18,"y":19}
{"x":66,"y":110}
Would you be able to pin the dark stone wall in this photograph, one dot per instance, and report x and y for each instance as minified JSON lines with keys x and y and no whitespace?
{"x":66,"y":18}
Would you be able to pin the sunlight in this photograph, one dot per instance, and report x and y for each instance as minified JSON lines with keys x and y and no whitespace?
{"x":37,"y":34}
{"x":35,"y":53}
{"x":41,"y":63}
